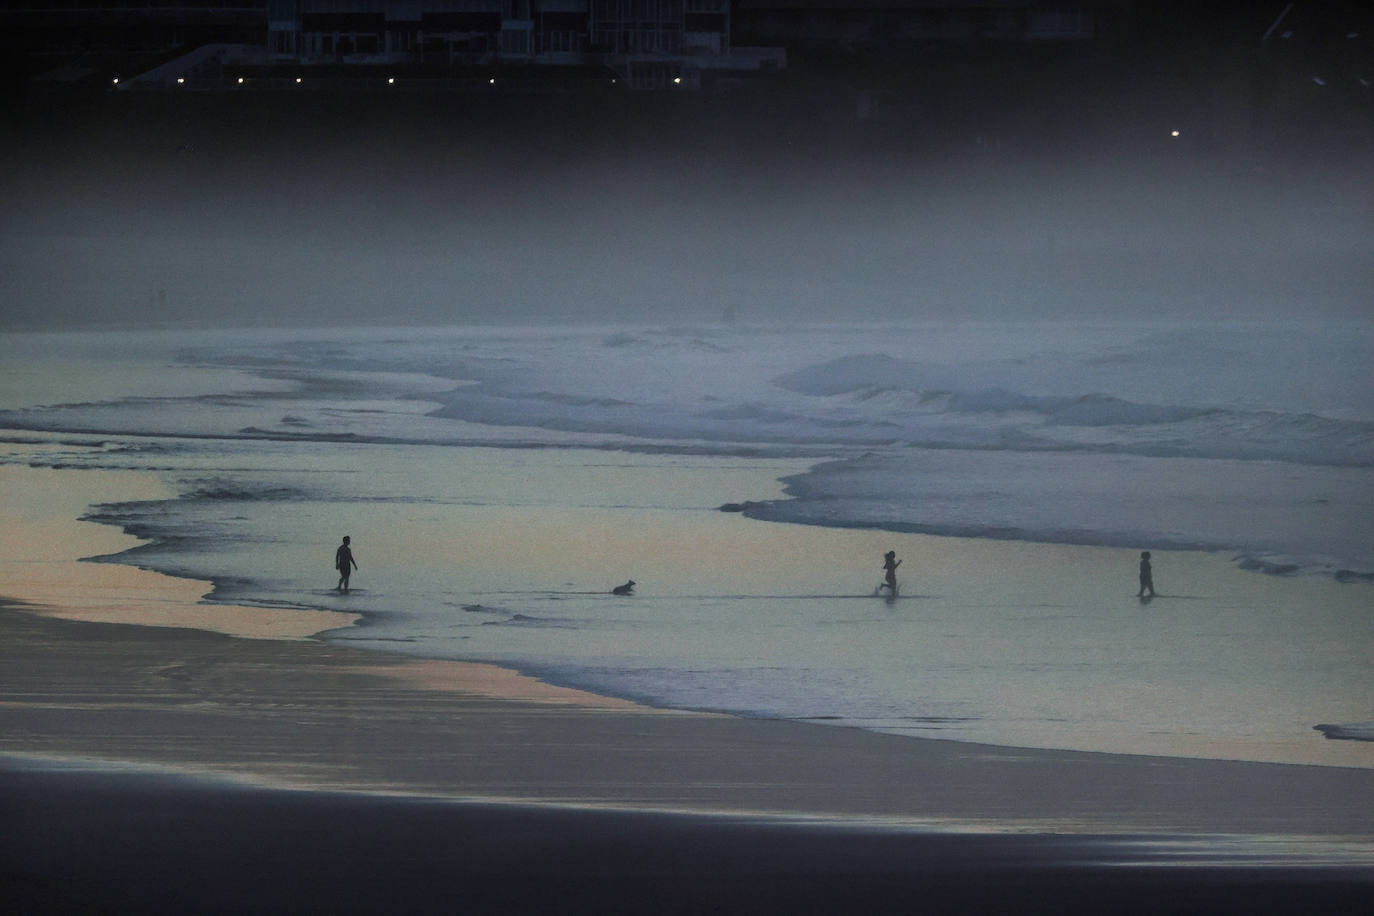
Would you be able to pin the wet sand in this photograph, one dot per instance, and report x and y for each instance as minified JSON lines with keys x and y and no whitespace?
{"x":726,"y":812}
{"x":43,"y":542}
{"x":307,"y":714}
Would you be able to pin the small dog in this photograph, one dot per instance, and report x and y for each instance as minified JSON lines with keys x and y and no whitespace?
{"x":627,"y":589}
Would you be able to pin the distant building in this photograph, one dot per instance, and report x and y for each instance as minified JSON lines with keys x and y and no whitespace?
{"x":642,"y":43}
{"x":648,"y":43}
{"x":68,"y":41}
{"x":207,"y":44}
{"x":860,"y":23}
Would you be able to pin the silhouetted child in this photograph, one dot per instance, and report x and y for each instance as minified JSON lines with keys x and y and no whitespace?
{"x":890,"y":564}
{"x":345,"y":564}
{"x":1147,"y":582}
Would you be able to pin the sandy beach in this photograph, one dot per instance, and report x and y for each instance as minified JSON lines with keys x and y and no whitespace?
{"x":522,"y":798}
{"x":310,"y":715}
{"x":165,"y":752}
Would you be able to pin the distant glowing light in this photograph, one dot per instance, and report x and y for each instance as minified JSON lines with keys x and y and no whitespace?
{"x":116,"y":79}
{"x":240,"y":80}
{"x":492,"y":81}
{"x":677,"y":80}
{"x":1173,"y":133}
{"x":180,"y":80}
{"x":390,"y":80}
{"x":298,"y":79}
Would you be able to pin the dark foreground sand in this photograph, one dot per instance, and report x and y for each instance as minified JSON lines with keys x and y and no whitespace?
{"x":785,"y":816}
{"x":92,"y":842}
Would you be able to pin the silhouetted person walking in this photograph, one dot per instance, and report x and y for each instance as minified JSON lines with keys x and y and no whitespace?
{"x":890,"y":564}
{"x":345,"y":564}
{"x":1147,"y":581}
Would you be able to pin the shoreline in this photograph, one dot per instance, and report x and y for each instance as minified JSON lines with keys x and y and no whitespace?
{"x":147,"y":598}
{"x":56,"y":560}
{"x":168,"y":766}
{"x":307,"y":714}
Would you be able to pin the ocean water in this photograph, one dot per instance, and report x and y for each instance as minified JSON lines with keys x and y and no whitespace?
{"x":498,"y":482}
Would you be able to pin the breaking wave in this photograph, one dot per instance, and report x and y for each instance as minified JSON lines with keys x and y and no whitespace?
{"x":1358,"y":731}
{"x":910,"y":397}
{"x":238,"y":491}
{"x":1253,"y":438}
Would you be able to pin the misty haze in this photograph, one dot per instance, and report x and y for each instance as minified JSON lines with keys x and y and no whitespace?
{"x":1160,"y":178}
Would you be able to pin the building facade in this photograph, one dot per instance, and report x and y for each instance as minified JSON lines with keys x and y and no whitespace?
{"x":641,"y":43}
{"x":647,"y":43}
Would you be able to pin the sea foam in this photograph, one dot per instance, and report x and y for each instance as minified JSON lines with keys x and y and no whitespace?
{"x":1255,"y":438}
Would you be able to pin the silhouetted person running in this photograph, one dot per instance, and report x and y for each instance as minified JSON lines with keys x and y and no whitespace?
{"x":1147,"y":581}
{"x":890,"y":564}
{"x":345,"y":564}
